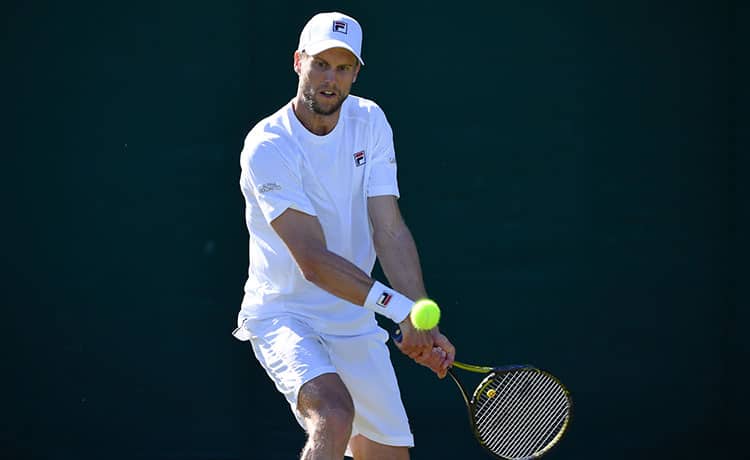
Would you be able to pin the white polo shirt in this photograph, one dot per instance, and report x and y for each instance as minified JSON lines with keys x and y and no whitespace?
{"x":286,"y":166}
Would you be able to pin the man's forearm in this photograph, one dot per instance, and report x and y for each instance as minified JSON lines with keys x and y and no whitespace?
{"x":345,"y":280}
{"x":398,"y":256}
{"x":333,"y":273}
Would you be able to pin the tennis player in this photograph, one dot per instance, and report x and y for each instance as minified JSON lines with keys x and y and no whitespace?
{"x":319,"y":181}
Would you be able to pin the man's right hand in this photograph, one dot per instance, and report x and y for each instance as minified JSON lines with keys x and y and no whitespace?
{"x":414,"y":343}
{"x":429,"y":348}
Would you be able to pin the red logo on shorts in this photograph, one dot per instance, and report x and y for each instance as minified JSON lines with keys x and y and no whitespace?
{"x":384,"y":299}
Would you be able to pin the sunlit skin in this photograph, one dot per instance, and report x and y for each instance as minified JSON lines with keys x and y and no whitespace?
{"x":325,"y":80}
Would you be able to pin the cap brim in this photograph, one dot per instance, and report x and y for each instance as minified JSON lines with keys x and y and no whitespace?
{"x":319,"y":47}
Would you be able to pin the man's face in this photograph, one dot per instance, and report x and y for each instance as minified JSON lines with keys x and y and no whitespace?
{"x":326,"y":78}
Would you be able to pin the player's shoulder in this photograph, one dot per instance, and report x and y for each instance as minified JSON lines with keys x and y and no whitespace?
{"x":360,"y":107}
{"x":271,"y":127}
{"x":268,"y":133}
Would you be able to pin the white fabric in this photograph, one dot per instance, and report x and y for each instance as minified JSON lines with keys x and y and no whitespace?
{"x":331,"y":30}
{"x":286,"y":166}
{"x":392,"y":304}
{"x":292,"y":353}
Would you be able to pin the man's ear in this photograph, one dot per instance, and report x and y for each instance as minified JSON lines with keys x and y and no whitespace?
{"x":297,"y":63}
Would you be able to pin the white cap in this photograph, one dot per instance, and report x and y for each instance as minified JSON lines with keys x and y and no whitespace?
{"x":331,"y":30}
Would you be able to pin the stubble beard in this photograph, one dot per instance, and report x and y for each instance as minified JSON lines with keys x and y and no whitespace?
{"x":313,"y":105}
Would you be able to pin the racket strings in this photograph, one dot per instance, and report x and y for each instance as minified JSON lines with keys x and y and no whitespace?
{"x":517,"y":423}
{"x":526,"y":431}
{"x":520,"y":413}
{"x":512,"y":437}
{"x":514,"y":434}
{"x":542,"y":427}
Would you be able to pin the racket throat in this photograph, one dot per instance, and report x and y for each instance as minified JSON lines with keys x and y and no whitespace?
{"x":461,"y":388}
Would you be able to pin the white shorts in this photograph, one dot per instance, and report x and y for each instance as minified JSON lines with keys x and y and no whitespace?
{"x":292,"y":353}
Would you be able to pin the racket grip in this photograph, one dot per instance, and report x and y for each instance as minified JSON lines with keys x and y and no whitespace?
{"x":396,"y":336}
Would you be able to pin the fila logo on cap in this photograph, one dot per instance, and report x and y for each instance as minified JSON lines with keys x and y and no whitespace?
{"x":331,"y":30}
{"x":340,"y":26}
{"x":384,"y":298}
{"x":359,"y":158}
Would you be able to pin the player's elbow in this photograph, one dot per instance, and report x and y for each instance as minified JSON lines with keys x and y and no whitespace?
{"x":310,"y":265}
{"x":310,"y":273}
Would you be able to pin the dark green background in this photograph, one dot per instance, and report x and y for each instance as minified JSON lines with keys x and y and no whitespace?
{"x":574,"y":173}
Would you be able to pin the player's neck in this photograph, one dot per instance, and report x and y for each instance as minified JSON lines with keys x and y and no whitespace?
{"x":314,"y":122}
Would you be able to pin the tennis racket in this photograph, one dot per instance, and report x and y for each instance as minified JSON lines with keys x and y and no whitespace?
{"x":516,"y":412}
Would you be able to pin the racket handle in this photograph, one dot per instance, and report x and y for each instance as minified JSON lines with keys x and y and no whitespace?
{"x":397,"y":336}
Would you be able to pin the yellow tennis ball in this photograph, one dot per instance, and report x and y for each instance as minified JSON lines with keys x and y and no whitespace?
{"x":425,"y":314}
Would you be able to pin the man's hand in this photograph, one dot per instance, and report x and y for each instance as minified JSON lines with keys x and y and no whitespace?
{"x":414,"y":343}
{"x":428,"y":348}
{"x":442,"y":355}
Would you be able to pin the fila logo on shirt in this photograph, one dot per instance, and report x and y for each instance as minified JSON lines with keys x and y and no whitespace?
{"x":339,"y":26}
{"x":384,"y":298}
{"x":359,"y":158}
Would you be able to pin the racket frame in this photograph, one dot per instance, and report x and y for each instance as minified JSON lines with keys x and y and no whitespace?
{"x":492,"y":372}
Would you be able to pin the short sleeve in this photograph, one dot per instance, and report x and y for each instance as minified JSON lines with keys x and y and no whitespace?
{"x":382,"y":176}
{"x":274,"y":181}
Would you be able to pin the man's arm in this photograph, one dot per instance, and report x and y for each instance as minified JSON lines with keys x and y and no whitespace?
{"x":397,"y":253}
{"x":395,"y":247}
{"x":304,"y":237}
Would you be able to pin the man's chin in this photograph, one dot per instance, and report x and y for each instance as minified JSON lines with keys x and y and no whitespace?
{"x":327,"y":108}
